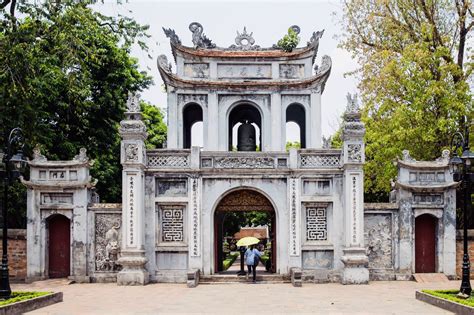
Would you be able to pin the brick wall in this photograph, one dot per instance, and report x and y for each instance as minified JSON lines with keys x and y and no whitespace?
{"x":460,"y":251}
{"x":16,"y":254}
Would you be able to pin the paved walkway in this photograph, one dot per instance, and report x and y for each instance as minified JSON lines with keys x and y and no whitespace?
{"x":397,"y":297}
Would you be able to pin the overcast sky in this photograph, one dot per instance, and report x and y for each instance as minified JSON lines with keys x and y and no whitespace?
{"x":268,"y":20}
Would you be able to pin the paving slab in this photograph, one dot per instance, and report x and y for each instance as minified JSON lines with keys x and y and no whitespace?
{"x":384,"y":297}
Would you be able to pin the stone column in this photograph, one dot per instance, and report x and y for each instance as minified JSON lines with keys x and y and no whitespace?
{"x":275,"y":115}
{"x":132,"y":157}
{"x":212,"y":124}
{"x":313,"y":137}
{"x":354,"y":253}
{"x":172,"y":140}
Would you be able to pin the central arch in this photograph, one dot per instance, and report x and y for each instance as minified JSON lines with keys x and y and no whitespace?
{"x":238,"y":201}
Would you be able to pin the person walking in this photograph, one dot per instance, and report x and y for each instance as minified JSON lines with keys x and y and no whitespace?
{"x":252,"y":256}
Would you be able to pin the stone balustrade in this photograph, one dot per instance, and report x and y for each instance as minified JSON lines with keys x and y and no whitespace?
{"x":208,"y":160}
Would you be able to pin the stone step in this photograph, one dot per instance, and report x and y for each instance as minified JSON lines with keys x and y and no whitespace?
{"x":228,"y":279}
{"x":430,"y":277}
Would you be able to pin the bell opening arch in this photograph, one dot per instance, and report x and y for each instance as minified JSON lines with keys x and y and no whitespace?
{"x":245,"y":127}
{"x":192,"y":115}
{"x":295,"y":113}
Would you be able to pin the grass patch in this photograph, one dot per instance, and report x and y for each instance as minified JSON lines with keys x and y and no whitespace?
{"x":22,"y":296}
{"x":451,"y":295}
{"x":229,"y":260}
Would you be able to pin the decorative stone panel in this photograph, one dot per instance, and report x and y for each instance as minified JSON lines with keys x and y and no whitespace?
{"x":244,"y":162}
{"x":196,"y":70}
{"x":56,"y":199}
{"x":168,"y":161}
{"x":319,"y":160}
{"x":171,"y":224}
{"x":378,"y":239}
{"x":171,"y":187}
{"x":428,"y":199}
{"x":316,"y":222}
{"x":108,"y":241}
{"x":244,"y":71}
{"x":321,"y":259}
{"x":354,"y":152}
{"x":291,"y":71}
{"x":316,"y":187}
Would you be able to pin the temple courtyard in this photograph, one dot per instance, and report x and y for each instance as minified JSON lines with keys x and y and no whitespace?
{"x":381,"y":297}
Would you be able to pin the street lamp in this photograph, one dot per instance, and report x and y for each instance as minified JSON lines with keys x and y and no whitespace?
{"x":460,"y":167}
{"x":13,"y":163}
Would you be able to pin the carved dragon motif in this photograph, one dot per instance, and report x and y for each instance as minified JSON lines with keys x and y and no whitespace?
{"x":171,"y":34}
{"x":199,"y":39}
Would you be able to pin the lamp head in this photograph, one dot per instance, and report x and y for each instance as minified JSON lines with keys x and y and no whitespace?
{"x":18,"y":160}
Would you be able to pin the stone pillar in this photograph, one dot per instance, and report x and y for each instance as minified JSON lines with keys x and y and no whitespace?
{"x":212,"y":124}
{"x":132,"y":157}
{"x":354,"y":253}
{"x":276,"y":122}
{"x":313,"y":137}
{"x":172,"y":139}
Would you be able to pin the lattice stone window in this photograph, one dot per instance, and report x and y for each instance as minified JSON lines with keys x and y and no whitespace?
{"x":316,"y":223}
{"x":171,"y":223}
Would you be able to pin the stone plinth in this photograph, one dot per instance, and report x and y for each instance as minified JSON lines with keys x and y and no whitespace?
{"x":133,"y":272}
{"x":355,"y":266}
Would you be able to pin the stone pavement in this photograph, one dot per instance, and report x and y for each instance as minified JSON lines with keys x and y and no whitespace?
{"x":396,"y":297}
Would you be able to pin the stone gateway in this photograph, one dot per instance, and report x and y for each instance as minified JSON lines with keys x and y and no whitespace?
{"x":169,"y":222}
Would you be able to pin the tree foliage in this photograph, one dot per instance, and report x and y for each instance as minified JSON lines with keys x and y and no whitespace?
{"x":289,"y":41}
{"x":65,"y":73}
{"x":416,"y":65}
{"x":156,"y":127}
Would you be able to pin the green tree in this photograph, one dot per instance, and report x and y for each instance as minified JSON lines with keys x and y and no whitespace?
{"x":414,"y":78}
{"x":65,"y":73}
{"x":155,"y":126}
{"x":290,"y":145}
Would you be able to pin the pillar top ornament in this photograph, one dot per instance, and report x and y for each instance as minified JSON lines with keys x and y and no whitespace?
{"x":133,"y":102}
{"x":353,"y":127}
{"x":132,"y":126}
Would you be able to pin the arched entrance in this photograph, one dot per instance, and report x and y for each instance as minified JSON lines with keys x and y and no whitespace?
{"x":59,"y":248}
{"x":425,"y":243}
{"x":244,"y":201}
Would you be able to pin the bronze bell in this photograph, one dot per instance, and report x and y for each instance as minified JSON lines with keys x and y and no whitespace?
{"x":246,"y":137}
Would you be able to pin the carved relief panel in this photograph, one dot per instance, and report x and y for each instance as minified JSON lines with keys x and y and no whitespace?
{"x":378,"y":239}
{"x":107,"y":241}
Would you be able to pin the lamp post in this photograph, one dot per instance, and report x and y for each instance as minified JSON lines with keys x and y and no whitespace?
{"x":460,"y":167}
{"x":13,"y":163}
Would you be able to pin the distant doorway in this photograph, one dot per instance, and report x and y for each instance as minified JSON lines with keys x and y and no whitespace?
{"x":59,"y":249}
{"x":425,"y":244}
{"x":240,"y":212}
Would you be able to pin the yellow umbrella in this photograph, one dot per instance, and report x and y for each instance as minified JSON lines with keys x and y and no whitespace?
{"x":247,"y":241}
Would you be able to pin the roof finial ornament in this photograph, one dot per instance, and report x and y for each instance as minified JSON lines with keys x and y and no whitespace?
{"x":244,"y":40}
{"x":199,"y":39}
{"x":352,"y":103}
{"x":314,"y":40}
{"x":133,"y":102}
{"x":171,"y":34}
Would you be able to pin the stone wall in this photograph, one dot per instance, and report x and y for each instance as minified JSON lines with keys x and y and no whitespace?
{"x":460,"y":252}
{"x":16,"y":254}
